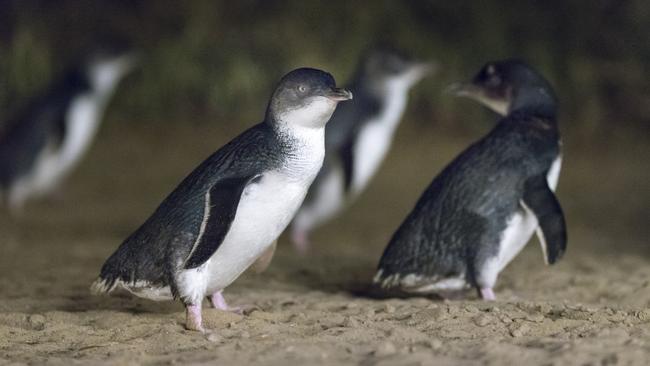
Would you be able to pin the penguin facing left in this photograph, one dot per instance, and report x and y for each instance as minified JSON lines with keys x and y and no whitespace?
{"x":483,"y":208}
{"x":229,"y":211}
{"x":44,"y":143}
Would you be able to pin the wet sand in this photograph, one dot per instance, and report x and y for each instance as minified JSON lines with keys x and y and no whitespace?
{"x":593,"y":308}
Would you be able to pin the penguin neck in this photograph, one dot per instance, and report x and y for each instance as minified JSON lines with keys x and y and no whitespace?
{"x":392,"y":95}
{"x":102,"y":93}
{"x":537,"y":102}
{"x":103,"y":80}
{"x":302,"y":147}
{"x":305,"y":122}
{"x":541,"y":118}
{"x":288,"y":132}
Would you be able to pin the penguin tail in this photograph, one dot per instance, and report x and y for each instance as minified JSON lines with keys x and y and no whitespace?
{"x":386,"y":280}
{"x":118,"y":270}
{"x":109,"y":278}
{"x":103,"y":286}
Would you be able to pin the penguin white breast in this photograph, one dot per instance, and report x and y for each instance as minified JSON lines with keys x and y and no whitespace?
{"x":554,"y":173}
{"x":521,"y":226}
{"x":83,"y":122}
{"x":376,"y":136}
{"x":265,"y":209}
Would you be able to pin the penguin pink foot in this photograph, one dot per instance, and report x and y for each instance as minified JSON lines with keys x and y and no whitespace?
{"x":219,"y":302}
{"x":487,"y":294}
{"x":193,"y":318}
{"x":300,"y":241}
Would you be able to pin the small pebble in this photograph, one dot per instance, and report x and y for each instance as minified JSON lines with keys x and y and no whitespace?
{"x":535,"y":318}
{"x":471,"y":309}
{"x":351,"y":322}
{"x":643,"y":315}
{"x":482,"y":320}
{"x":214,"y":337}
{"x":434,"y":344}
{"x":385,"y":349}
{"x":36,"y":321}
{"x":518,"y":330}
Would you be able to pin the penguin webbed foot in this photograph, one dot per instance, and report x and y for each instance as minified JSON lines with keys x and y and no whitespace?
{"x":487,"y":294}
{"x":193,"y":318}
{"x":218,"y":301}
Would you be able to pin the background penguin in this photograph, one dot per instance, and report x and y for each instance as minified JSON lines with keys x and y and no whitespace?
{"x":44,"y":143}
{"x":229,"y":211}
{"x":358,"y":137}
{"x":482,"y":209}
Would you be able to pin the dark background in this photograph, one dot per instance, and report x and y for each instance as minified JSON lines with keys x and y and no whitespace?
{"x":208,"y":67}
{"x":209,"y":59}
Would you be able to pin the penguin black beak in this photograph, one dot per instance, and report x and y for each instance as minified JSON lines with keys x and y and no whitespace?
{"x":423,"y":69}
{"x":500,"y":105}
{"x":338,"y":94}
{"x":463,"y":90}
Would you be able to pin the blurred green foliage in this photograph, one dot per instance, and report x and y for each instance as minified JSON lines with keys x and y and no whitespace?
{"x":209,"y":61}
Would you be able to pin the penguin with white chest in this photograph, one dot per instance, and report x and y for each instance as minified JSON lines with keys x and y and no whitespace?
{"x":230,"y":210}
{"x":483,"y":208}
{"x":47,"y":141}
{"x":358,"y":137}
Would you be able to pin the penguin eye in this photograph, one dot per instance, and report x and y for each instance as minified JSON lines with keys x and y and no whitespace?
{"x":494,"y":80}
{"x":302,"y":88}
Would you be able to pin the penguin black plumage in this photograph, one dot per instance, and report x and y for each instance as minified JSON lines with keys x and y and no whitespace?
{"x":358,"y":137}
{"x":230,"y":210}
{"x":47,"y":140}
{"x":482,"y":209}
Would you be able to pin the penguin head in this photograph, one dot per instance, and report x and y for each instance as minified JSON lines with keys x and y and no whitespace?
{"x":107,"y":65}
{"x":508,"y":85}
{"x":305,"y":97}
{"x":387,"y":68}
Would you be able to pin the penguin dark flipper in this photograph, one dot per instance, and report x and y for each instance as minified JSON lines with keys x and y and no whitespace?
{"x":551,"y":232}
{"x":221,"y":202}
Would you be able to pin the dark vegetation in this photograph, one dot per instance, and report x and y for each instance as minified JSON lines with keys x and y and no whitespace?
{"x":216,"y":60}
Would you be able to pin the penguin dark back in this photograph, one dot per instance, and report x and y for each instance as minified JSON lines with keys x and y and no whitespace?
{"x":483,"y":208}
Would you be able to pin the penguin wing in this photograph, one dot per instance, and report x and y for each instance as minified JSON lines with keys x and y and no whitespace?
{"x":541,"y":201}
{"x":221,"y":201}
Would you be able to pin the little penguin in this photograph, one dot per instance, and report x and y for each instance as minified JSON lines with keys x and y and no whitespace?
{"x":483,"y":208}
{"x":229,"y":211}
{"x":358,"y":137}
{"x":49,"y":137}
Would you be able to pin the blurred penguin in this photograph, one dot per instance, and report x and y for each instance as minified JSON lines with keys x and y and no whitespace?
{"x":45,"y":142}
{"x":358,"y":137}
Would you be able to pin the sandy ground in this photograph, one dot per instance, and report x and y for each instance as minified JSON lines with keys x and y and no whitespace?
{"x":593,"y":308}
